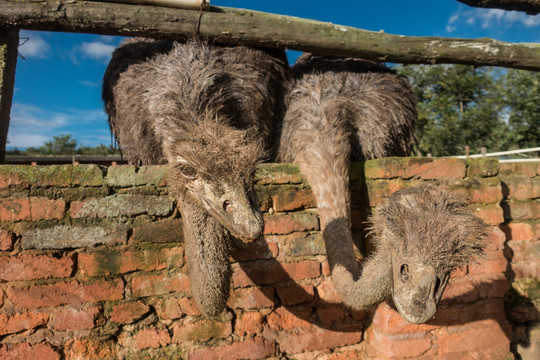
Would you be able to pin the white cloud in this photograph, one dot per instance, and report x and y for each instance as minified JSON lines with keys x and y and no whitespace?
{"x":33,"y":45}
{"x":32,"y":126}
{"x":97,"y":50}
{"x":491,"y":18}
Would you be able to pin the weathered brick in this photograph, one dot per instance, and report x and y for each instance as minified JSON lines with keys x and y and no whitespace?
{"x":121,"y":205}
{"x":388,"y":168}
{"x":129,"y":175}
{"x":482,"y":167}
{"x":378,"y":191}
{"x":529,"y":210}
{"x":525,"y":250}
{"x":249,"y":324}
{"x":62,"y":293}
{"x":151,"y":338}
{"x":263,"y":248}
{"x":438,"y":169}
{"x":270,"y":272}
{"x":315,"y":338}
{"x":11,"y":324}
{"x":6,"y":240}
{"x":126,"y":313}
{"x":525,"y":169}
{"x":112,"y":262}
{"x":71,"y":319}
{"x":278,"y":174}
{"x":479,"y":190}
{"x":163,"y":231}
{"x":66,"y":236}
{"x":293,"y":198}
{"x":330,"y":314}
{"x":252,"y":298}
{"x":302,"y":244}
{"x":41,"y":351}
{"x":28,"y":267}
{"x":50,"y":175}
{"x":202,"y":330}
{"x":161,"y":284}
{"x":31,"y":209}
{"x":328,"y":293}
{"x":518,"y":231}
{"x":526,"y":270}
{"x":293,"y":294}
{"x":252,"y":349}
{"x":522,"y":188}
{"x":492,"y":262}
{"x":398,"y":346}
{"x":472,"y":288}
{"x":495,"y":238}
{"x":95,"y":348}
{"x":286,"y":224}
{"x":289,"y":318}
{"x":474,"y":338}
{"x":491,"y":214}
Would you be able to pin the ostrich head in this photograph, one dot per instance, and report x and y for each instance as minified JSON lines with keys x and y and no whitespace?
{"x":426,"y":233}
{"x":215,"y":165}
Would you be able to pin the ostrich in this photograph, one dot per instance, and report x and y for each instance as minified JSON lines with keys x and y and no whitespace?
{"x":208,"y":112}
{"x":345,"y":109}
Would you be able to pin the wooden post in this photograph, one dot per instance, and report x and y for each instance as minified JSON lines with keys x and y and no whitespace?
{"x":9,"y":42}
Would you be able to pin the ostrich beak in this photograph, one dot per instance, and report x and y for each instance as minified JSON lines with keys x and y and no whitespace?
{"x":416,"y":291}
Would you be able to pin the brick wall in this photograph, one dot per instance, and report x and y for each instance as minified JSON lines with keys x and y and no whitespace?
{"x":92,"y":266}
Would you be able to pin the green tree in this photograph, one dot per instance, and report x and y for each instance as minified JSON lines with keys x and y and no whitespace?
{"x":458,"y":106}
{"x":60,"y":145}
{"x":521,"y":91}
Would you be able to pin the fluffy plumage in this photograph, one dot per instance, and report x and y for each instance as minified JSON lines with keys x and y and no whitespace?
{"x":209,"y":112}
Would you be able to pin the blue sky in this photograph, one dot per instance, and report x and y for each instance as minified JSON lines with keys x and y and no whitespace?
{"x":57,"y":86}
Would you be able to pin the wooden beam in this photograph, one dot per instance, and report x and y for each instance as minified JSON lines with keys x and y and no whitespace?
{"x":9,"y":41}
{"x":531,"y":7}
{"x":236,"y":26}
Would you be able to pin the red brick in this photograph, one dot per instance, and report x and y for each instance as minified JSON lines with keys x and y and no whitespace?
{"x":289,"y":318}
{"x":388,"y":321}
{"x":249,"y":324}
{"x":286,"y":224}
{"x":495,"y":238}
{"x":524,"y":210}
{"x":492,"y":262}
{"x":264,"y":248}
{"x":471,"y":288}
{"x":518,"y":231}
{"x":293,"y":294}
{"x":270,"y":272}
{"x":251,"y":349}
{"x":126,"y":313}
{"x":33,"y":209}
{"x":252,"y":298}
{"x":112,"y":262}
{"x":278,"y":173}
{"x":525,"y":169}
{"x":168,"y":308}
{"x":188,"y":306}
{"x":523,"y":188}
{"x":330,"y":314}
{"x":201,"y":331}
{"x":398,"y":346}
{"x":483,"y":191}
{"x":66,"y":293}
{"x":526,"y":270}
{"x":28,"y":267}
{"x":6,"y":240}
{"x":473,"y":338}
{"x":315,"y":338}
{"x":90,"y":349}
{"x":148,"y":285}
{"x":293,"y":198}
{"x":438,"y":169}
{"x":327,"y":292}
{"x":525,"y":250}
{"x":492,"y":214}
{"x":22,"y":321}
{"x":151,"y":338}
{"x":27,"y":351}
{"x":70,"y":319}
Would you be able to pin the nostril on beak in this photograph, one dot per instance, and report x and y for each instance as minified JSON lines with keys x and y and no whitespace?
{"x":227,"y":207}
{"x":404,"y":272}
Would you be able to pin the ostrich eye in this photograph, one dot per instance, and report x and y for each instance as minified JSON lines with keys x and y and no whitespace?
{"x":227,"y":207}
{"x":404,"y":271}
{"x":188,"y":172}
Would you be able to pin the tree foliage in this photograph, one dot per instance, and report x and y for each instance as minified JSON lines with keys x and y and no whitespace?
{"x":65,"y":144}
{"x":461,"y":106}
